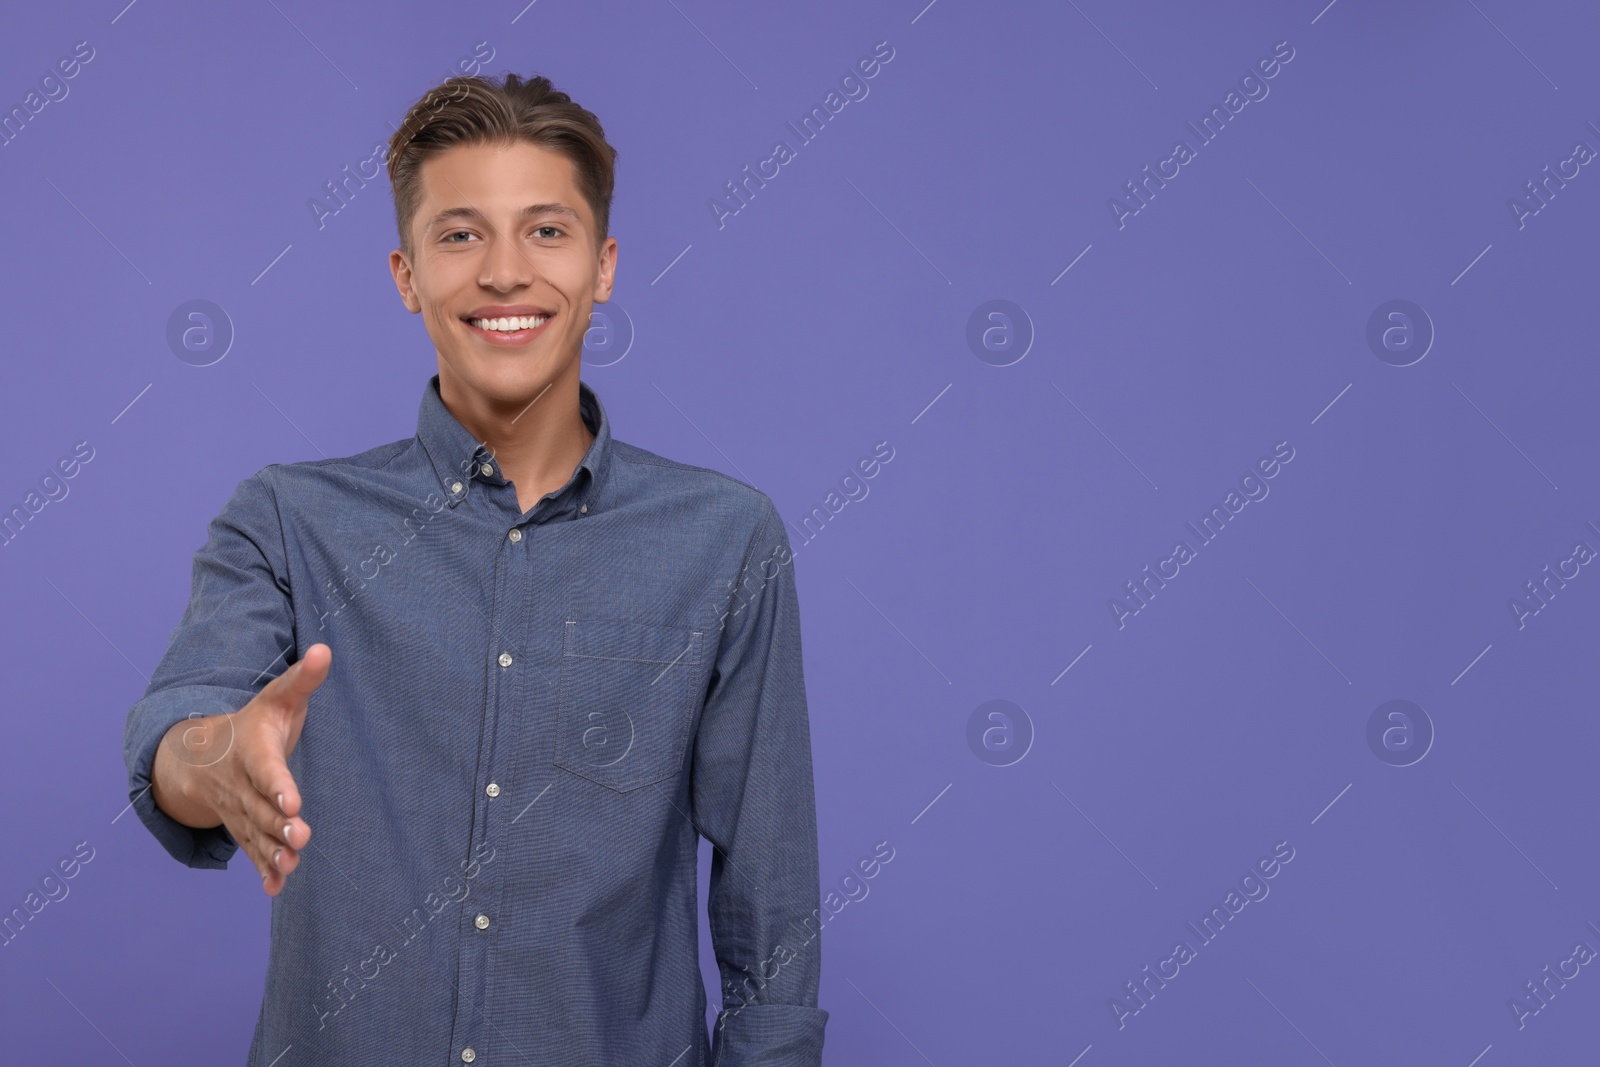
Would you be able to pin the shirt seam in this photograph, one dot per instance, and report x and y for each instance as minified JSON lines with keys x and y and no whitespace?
{"x":397,"y":454}
{"x":283,"y":548}
{"x":744,"y":565}
{"x":676,"y":465}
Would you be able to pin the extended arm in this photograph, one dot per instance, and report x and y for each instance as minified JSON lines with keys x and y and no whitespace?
{"x":207,"y":745}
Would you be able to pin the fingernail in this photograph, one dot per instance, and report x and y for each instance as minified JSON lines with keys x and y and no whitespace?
{"x":288,"y":832}
{"x":280,"y":801}
{"x":275,"y":856}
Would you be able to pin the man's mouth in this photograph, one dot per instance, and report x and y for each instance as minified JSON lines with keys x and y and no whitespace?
{"x":509,"y":329}
{"x":511,"y":324}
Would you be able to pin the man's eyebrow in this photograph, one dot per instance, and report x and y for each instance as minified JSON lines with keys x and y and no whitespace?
{"x":474,"y":215}
{"x":551,"y":209}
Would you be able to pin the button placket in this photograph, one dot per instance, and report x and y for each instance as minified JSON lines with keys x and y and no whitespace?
{"x":507,"y":616}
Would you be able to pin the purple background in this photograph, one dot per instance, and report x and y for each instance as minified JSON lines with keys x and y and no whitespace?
{"x":830,"y":313}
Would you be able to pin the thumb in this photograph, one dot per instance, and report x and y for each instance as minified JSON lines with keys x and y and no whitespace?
{"x":296,"y":684}
{"x":295,"y":688}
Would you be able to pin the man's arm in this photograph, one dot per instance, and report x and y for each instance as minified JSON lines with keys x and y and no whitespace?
{"x":199,"y":744}
{"x":752,"y":797}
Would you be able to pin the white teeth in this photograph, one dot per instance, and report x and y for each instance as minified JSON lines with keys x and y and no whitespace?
{"x":522,"y":322}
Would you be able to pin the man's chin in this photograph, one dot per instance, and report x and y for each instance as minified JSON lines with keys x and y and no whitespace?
{"x":501,"y":379}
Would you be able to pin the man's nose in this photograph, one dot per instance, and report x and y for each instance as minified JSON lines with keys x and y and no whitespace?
{"x":506,"y":266}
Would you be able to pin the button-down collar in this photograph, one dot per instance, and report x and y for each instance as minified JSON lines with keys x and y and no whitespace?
{"x":458,"y":457}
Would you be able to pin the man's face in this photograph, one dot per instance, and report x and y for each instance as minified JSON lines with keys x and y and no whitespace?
{"x":502,"y":232}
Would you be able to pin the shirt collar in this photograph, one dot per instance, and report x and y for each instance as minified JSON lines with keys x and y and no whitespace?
{"x":458,"y":457}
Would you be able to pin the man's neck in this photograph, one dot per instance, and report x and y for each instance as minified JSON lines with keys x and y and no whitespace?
{"x":537,"y":445}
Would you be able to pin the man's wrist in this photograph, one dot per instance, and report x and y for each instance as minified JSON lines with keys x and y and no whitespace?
{"x":173,"y":780}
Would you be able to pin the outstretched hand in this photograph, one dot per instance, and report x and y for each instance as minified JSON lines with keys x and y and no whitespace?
{"x":233,"y":771}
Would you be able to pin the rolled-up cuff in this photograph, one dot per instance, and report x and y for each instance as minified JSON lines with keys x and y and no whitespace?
{"x":148,"y":722}
{"x":768,"y":1035}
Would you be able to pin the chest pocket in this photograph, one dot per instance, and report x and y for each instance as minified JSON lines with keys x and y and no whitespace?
{"x":627,"y":700}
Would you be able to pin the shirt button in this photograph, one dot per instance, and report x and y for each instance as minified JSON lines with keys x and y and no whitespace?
{"x":487,"y":468}
{"x":515,"y":535}
{"x":583,"y":510}
{"x":467,"y":1055}
{"x":505,"y":659}
{"x":493,"y":789}
{"x":455,"y":487}
{"x":481,"y":922}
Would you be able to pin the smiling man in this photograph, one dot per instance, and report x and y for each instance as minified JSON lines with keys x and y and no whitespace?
{"x":505,"y":672}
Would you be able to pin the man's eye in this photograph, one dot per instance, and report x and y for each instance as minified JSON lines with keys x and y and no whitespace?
{"x":554,"y":231}
{"x":457,"y":233}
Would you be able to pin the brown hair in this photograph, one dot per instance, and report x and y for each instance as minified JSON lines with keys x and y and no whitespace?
{"x":474,"y":110}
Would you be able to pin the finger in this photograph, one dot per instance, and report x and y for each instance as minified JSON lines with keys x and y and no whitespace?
{"x":267,"y":772}
{"x":250,"y":843}
{"x":271,"y":858}
{"x":285,"y":860}
{"x":249,"y":846}
{"x":271,"y":828}
{"x":281,"y":864}
{"x":274,"y":861}
{"x":273,"y":882}
{"x":291,"y":831}
{"x":251,"y":822}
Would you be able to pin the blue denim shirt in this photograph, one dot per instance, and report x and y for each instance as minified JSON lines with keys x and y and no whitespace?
{"x":528,"y":722}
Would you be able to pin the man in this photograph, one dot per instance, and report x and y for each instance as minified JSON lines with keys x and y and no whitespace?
{"x":527,"y":664}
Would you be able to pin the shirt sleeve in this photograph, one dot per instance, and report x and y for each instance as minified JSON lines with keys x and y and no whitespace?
{"x":236,"y":634}
{"x":752,"y":794}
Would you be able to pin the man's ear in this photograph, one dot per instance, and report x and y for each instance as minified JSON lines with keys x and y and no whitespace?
{"x":400,"y":267}
{"x":608,"y":271}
